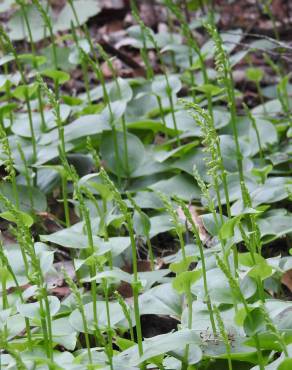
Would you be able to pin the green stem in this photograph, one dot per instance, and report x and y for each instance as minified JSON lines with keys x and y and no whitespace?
{"x":109,"y":328}
{"x":150,"y":252}
{"x":65,"y":199}
{"x":135,"y":283}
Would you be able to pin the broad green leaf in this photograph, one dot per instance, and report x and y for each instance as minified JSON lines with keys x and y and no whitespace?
{"x":58,"y":76}
{"x":25,"y":218}
{"x":116,"y":315}
{"x":254,"y":322}
{"x":163,"y":87}
{"x":121,"y":90}
{"x":76,"y":56}
{"x":219,"y":288}
{"x":209,"y":89}
{"x":161,"y":300}
{"x":227,"y":229}
{"x":262,"y":172}
{"x":64,"y":334}
{"x":122,"y":161}
{"x":40,"y":202}
{"x":142,"y":224}
{"x":124,"y":344}
{"x":181,"y":185}
{"x":255,"y":74}
{"x":168,"y":342}
{"x":261,"y":270}
{"x":18,"y":31}
{"x":285,"y":365}
{"x":115,"y":275}
{"x":8,"y":80}
{"x":6,"y":59}
{"x":160,"y":224}
{"x":246,"y":259}
{"x":7,"y":108}
{"x":32,"y":310}
{"x":33,"y":59}
{"x":22,"y":92}
{"x":184,"y":280}
{"x":182,"y":265}
{"x":84,"y":8}
{"x":230,"y":40}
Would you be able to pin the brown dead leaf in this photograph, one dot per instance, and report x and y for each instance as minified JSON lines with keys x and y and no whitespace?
{"x":61,"y":292}
{"x":125,"y":290}
{"x":204,"y":236}
{"x":287,"y":279}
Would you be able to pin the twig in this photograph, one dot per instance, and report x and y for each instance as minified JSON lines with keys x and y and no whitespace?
{"x":122,"y":56}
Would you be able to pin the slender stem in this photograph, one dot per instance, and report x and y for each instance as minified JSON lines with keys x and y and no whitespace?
{"x":135,"y":283}
{"x":150,"y":252}
{"x":65,"y":199}
{"x":92,"y":267}
{"x":27,"y":177}
{"x":109,"y":329}
{"x":47,"y":20}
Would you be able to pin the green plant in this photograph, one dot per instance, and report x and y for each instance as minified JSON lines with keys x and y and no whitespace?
{"x":145,"y":219}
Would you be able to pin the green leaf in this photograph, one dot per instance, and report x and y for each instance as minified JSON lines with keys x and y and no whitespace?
{"x":33,"y":59}
{"x":261,"y":270}
{"x":124,"y":344}
{"x":161,"y":300}
{"x":246,"y":259}
{"x":25,"y":218}
{"x":115,"y":275}
{"x":121,"y":90}
{"x":219,"y":288}
{"x":227,"y":230}
{"x":94,"y":183}
{"x":184,"y":280}
{"x":168,"y":342}
{"x":16,"y":25}
{"x":6,"y":59}
{"x":63,"y":333}
{"x":262,"y":172}
{"x":240,"y":316}
{"x":25,"y":91}
{"x":255,"y":74}
{"x":62,"y":22}
{"x":32,"y":310}
{"x":181,"y":185}
{"x":118,"y":164}
{"x":63,"y":62}
{"x":285,"y":365}
{"x":142,"y":224}
{"x":209,"y":89}
{"x":160,"y":86}
{"x":7,"y":108}
{"x":182,"y":265}
{"x":254,"y":322}
{"x":40,"y":202}
{"x":58,"y":76}
{"x":116,"y":315}
{"x":85,"y":10}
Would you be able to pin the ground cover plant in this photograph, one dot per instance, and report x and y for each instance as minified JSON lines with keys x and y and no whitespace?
{"x":145,"y":191}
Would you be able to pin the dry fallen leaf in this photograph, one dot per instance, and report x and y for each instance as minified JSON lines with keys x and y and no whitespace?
{"x":287,"y":279}
{"x":204,"y":236}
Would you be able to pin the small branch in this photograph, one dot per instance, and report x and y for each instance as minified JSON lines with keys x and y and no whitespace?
{"x":123,"y":57}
